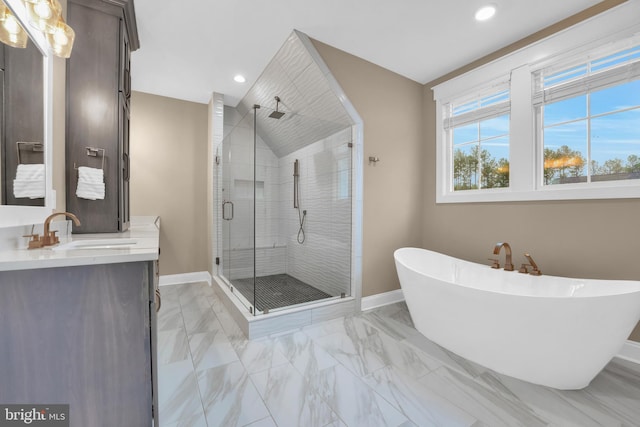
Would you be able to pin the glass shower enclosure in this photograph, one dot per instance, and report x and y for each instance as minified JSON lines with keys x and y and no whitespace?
{"x":285,"y":209}
{"x":284,"y":198}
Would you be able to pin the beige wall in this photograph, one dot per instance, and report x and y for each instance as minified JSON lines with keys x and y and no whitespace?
{"x":169,"y":176}
{"x":587,"y":238}
{"x":391,"y":109}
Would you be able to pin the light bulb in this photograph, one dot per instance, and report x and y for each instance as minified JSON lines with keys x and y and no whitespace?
{"x":60,"y":38}
{"x":43,"y":10}
{"x":11,"y":25}
{"x":239,"y":78}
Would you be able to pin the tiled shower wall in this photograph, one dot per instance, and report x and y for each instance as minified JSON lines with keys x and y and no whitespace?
{"x":324,"y":259}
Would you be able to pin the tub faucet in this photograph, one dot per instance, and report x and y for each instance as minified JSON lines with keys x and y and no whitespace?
{"x":536,"y":271}
{"x":508,"y":265}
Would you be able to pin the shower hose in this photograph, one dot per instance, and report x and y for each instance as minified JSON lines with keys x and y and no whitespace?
{"x":301,"y":218}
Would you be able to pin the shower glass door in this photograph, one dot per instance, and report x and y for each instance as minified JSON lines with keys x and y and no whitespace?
{"x":237,"y":210}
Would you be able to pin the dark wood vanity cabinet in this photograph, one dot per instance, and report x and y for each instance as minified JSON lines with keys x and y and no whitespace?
{"x":82,"y":336}
{"x":98,"y":103}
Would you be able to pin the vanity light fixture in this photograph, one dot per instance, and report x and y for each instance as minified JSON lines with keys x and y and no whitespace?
{"x":239,"y":78}
{"x":485,"y":12}
{"x":46,"y":17}
{"x":61,"y":39}
{"x":11,"y":32}
{"x":43,"y":14}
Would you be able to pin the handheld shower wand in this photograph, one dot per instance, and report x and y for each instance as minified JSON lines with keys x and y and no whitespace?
{"x":296,"y":177}
{"x":296,"y":200}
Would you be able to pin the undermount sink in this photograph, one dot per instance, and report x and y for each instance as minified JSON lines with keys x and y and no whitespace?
{"x":97,"y":244}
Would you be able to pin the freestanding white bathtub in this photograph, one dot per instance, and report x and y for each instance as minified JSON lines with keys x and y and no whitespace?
{"x":554,"y":331}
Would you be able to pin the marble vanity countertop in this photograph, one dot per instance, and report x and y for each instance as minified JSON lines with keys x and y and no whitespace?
{"x":139,"y":243}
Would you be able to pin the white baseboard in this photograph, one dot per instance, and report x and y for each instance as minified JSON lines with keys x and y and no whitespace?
{"x":177,"y":279}
{"x":630,"y":351}
{"x":379,"y":300}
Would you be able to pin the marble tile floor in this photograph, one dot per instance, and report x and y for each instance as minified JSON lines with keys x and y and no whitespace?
{"x":372,"y":369}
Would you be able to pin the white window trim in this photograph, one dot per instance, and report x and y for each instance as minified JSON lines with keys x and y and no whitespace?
{"x":524,"y":158}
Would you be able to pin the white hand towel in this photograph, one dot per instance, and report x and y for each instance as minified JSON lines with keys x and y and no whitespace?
{"x":29,"y":181}
{"x":31,"y":188}
{"x":90,"y":174}
{"x":30,"y":171}
{"x":90,"y":183}
{"x":90,"y":190}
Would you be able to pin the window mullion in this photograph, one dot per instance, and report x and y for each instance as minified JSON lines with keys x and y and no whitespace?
{"x":522,"y":144}
{"x":479,"y":168}
{"x":589,"y":137}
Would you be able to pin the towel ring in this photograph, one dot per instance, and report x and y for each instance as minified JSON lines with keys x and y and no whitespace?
{"x":36,"y":147}
{"x":93,"y":152}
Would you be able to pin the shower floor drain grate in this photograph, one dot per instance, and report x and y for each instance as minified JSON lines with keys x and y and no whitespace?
{"x":279,"y":290}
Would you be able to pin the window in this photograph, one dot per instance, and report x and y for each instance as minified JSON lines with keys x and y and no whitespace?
{"x":589,"y":119}
{"x":478,"y":131}
{"x":557,"y":120}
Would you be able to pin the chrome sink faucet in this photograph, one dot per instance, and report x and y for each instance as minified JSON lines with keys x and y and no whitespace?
{"x":508,"y":265}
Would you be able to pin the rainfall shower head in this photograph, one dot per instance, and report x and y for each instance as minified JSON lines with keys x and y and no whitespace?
{"x":276,"y":114}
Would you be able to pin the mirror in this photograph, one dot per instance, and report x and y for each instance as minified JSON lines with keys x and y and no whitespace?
{"x":22,"y":130}
{"x":25,"y":127}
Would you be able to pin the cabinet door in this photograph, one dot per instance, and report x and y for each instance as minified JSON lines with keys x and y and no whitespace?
{"x":154,"y":305}
{"x":93,"y":113}
{"x":125,"y":164}
{"x":79,"y":336}
{"x":125,"y":62}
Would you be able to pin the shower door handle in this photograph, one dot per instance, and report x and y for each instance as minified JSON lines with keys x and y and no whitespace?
{"x":224,"y":211}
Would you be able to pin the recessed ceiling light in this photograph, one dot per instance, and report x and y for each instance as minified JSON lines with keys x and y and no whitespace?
{"x":485,"y":12}
{"x":239,"y":78}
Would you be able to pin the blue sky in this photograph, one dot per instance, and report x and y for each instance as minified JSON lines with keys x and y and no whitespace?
{"x":615,"y":123}
{"x":615,"y":126}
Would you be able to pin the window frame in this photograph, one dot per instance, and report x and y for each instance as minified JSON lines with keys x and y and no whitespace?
{"x":476,"y":116}
{"x":526,"y":180}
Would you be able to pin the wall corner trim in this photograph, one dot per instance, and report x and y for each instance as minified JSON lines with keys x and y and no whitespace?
{"x":385,"y":298}
{"x":178,"y":279}
{"x":630,"y":352}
